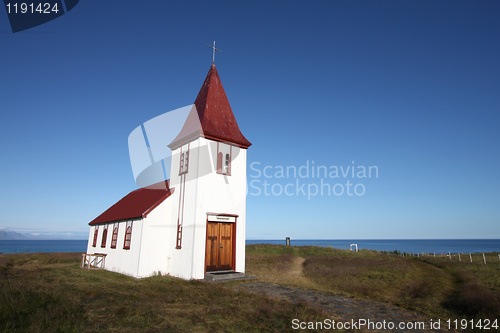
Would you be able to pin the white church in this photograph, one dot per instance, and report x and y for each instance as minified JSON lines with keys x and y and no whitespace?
{"x":194,"y":222}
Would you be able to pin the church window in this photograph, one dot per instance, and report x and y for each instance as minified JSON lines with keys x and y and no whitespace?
{"x":226,"y":165}
{"x":184,"y":162}
{"x":224,"y":161}
{"x":96,"y":232}
{"x":114,"y":238}
{"x":104,"y":235}
{"x":128,"y":236}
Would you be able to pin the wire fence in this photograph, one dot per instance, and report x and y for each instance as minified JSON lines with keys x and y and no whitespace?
{"x":471,"y":258}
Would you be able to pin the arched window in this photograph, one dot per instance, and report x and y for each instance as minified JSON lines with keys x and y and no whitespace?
{"x":223,"y":159}
{"x":226,"y":165}
{"x":114,"y":238}
{"x":128,"y":236}
{"x":96,"y":232}
{"x":184,"y":162}
{"x":181,"y":166}
{"x":104,"y":236}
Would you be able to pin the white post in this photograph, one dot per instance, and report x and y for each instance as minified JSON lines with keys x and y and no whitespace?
{"x":470,"y":256}
{"x":499,"y":257}
{"x":449,"y":253}
{"x":459,"y":258}
{"x":484,"y":259}
{"x":434,"y":254}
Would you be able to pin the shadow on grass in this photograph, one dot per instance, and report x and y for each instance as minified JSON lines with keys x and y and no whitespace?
{"x":471,"y":298}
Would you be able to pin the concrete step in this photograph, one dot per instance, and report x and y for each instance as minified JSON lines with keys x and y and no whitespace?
{"x":224,"y":276}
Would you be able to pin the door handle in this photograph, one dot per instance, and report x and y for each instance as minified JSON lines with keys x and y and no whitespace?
{"x":220,"y":245}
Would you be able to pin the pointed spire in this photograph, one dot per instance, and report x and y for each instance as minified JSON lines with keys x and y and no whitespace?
{"x":215,"y":116}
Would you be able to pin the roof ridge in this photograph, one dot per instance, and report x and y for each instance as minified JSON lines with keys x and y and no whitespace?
{"x":135,"y":204}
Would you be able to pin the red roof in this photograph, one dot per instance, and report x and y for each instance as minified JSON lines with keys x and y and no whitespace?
{"x":214,"y":114}
{"x":136,"y":204}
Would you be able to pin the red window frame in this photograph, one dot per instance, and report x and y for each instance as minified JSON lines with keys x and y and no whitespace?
{"x":181,"y":163}
{"x":219,"y":162}
{"x":184,"y":162}
{"x":128,"y":237}
{"x":114,"y":237}
{"x":96,"y":232}
{"x":104,"y":236}
{"x":224,"y":162}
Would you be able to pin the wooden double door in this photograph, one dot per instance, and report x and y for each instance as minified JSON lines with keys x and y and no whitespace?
{"x":220,"y":254}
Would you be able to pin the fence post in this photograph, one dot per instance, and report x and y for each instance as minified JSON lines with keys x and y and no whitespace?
{"x":470,"y":256}
{"x":484,"y":259}
{"x":434,"y":254}
{"x":459,"y":258}
{"x":499,"y":257}
{"x":449,"y":253}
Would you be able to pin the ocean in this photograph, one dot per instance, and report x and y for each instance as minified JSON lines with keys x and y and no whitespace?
{"x":410,"y":245}
{"x":32,"y":246}
{"x":404,"y":245}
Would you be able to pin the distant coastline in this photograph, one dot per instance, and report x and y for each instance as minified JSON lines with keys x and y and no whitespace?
{"x":7,"y":234}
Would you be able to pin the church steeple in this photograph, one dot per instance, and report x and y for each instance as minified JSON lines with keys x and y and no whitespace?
{"x":214,"y":114}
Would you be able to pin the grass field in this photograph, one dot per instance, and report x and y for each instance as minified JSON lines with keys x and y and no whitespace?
{"x":436,"y":286}
{"x":51,"y":293}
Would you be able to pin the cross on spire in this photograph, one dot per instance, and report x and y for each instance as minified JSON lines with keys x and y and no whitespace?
{"x":213,"y":47}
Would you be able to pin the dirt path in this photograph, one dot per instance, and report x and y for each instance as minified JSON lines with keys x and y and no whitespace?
{"x":296,"y":271}
{"x":343,"y":307}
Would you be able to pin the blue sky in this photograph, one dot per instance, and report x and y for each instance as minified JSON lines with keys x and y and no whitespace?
{"x":411,"y":87}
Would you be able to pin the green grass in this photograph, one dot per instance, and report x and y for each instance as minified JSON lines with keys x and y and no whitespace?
{"x":302,"y":251}
{"x":51,"y":293}
{"x":476,"y":287}
{"x":406,"y":283}
{"x":438,"y":287}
